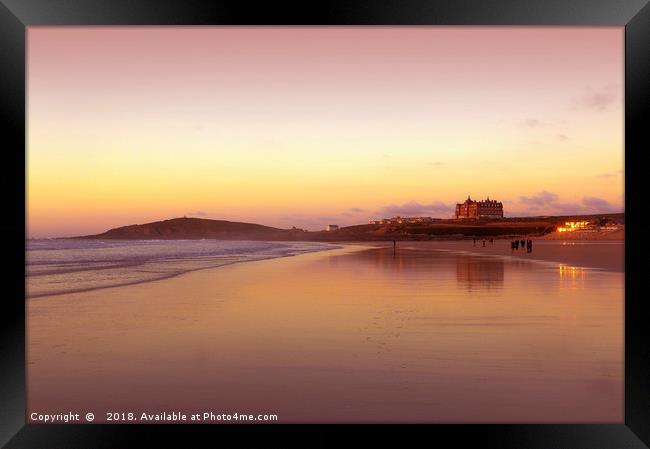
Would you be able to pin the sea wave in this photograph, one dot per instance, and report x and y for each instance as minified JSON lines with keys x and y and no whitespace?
{"x":57,"y":266}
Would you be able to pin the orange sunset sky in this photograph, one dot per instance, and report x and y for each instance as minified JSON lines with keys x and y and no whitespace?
{"x":305,"y":126}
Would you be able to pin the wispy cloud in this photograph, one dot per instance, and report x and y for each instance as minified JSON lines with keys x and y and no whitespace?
{"x":549,"y":203}
{"x":534,"y":122}
{"x":596,"y":203}
{"x":357,"y":210}
{"x":540,"y":199}
{"x":610,"y":174}
{"x":568,"y":208}
{"x":331,"y":219}
{"x":198,"y":213}
{"x":597,"y":99}
{"x":436,"y":209}
{"x":531,"y":122}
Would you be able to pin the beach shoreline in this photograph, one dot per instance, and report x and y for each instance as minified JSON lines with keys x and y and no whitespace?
{"x":76,"y":270}
{"x":609,"y":258}
{"x":606,"y":255}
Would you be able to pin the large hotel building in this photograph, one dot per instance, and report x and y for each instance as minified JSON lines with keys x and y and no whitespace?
{"x":479,"y":209}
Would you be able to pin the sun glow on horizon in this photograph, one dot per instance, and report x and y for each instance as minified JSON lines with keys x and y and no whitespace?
{"x":309,"y":126}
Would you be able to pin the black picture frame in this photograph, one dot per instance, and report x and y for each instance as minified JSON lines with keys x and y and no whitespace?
{"x":16,"y":15}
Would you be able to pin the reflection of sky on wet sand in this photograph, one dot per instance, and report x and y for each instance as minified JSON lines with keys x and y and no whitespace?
{"x":354,"y":336}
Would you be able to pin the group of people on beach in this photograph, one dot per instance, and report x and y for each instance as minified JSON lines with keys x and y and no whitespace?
{"x":491,"y":242}
{"x":528,"y":244}
{"x":514,"y":244}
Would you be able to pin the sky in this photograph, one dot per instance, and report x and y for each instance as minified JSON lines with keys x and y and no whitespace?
{"x":309,"y":126}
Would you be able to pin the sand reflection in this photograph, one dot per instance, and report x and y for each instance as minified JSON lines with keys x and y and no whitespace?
{"x":480,"y":272}
{"x":342,"y":336}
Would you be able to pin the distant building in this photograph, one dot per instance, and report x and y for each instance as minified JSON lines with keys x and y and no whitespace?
{"x":332,"y":227}
{"x":573,"y":226}
{"x":479,"y":209}
{"x":588,"y":226}
{"x":402,"y":220}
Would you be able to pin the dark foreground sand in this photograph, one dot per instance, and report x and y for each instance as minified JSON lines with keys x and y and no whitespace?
{"x":351,"y":335}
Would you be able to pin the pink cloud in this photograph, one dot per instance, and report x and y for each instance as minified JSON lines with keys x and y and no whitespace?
{"x":598,"y":100}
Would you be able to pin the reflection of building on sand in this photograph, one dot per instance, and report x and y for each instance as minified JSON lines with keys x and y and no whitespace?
{"x":478,"y":272}
{"x":473,"y":272}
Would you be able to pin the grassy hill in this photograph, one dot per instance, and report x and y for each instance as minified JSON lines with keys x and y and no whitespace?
{"x":199,"y":228}
{"x":459,"y":229}
{"x":195,"y":228}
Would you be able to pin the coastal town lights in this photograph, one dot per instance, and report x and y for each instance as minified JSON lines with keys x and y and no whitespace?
{"x":570,"y":226}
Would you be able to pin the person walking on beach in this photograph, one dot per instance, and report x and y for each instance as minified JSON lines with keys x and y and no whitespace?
{"x":529,"y":246}
{"x":483,"y":243}
{"x":474,"y":242}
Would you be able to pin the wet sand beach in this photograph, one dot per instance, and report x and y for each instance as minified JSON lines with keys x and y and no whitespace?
{"x":604,"y":255}
{"x":349,"y":335}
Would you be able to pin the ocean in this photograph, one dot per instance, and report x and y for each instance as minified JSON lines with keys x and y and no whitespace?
{"x":57,"y":266}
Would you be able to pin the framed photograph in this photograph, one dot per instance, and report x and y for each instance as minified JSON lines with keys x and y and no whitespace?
{"x":235,"y":217}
